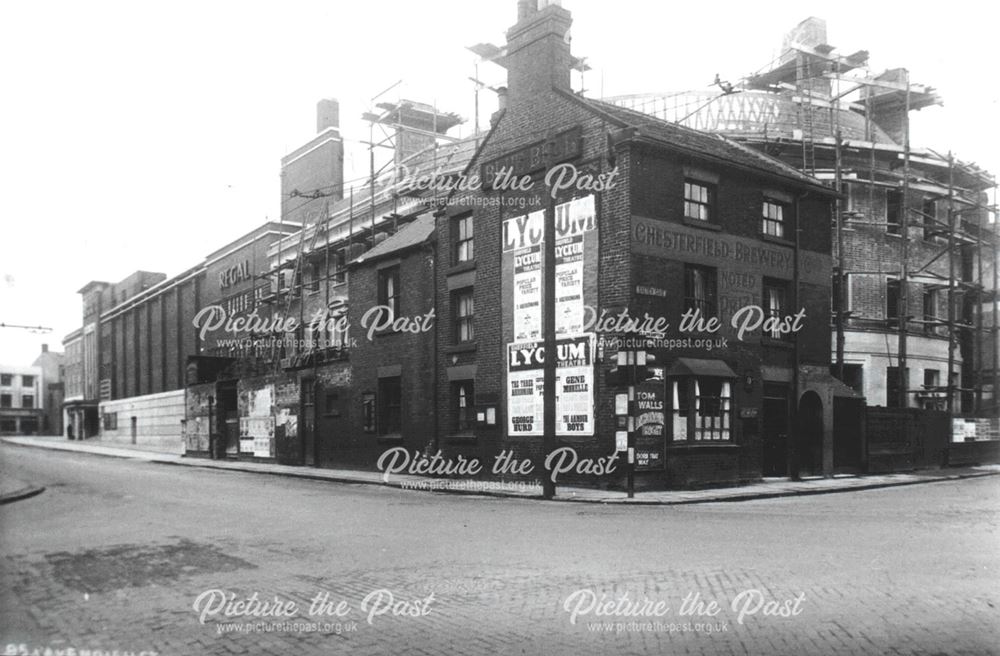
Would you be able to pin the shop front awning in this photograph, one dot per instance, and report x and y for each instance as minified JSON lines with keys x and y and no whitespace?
{"x":700,"y":367}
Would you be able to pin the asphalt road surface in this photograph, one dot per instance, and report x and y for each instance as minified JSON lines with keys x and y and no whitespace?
{"x":134,"y":557}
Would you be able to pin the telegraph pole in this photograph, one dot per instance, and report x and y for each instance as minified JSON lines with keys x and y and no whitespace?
{"x":549,"y":336}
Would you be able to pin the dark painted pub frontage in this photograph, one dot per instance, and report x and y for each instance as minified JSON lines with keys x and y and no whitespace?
{"x":705,"y":263}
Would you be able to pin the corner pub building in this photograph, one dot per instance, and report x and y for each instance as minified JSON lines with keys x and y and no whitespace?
{"x":661,"y":220}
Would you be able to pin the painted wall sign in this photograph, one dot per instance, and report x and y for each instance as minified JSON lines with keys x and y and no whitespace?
{"x":741,"y":261}
{"x":564,"y":146}
{"x":234,"y":274}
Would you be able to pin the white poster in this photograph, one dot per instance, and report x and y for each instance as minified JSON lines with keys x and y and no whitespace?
{"x":569,"y":285}
{"x":574,"y":387}
{"x":257,"y":436}
{"x":528,"y":294}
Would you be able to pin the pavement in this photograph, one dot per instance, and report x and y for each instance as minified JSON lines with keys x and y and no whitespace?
{"x":768,"y":488}
{"x":14,"y":489}
{"x":117,"y":552}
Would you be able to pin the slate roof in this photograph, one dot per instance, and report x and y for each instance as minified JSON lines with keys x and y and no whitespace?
{"x":412,"y":234}
{"x":703,"y":144}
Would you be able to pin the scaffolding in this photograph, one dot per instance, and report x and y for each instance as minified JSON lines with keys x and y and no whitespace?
{"x":814,"y":73}
{"x":374,"y":209}
{"x":832,"y":117}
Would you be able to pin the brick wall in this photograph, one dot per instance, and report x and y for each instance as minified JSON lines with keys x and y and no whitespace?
{"x":385,"y":352}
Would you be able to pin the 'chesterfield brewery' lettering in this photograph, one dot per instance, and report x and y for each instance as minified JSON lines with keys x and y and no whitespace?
{"x":668,"y":239}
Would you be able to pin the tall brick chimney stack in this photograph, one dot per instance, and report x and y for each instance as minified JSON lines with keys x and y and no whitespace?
{"x":327,"y":114}
{"x":538,"y":56}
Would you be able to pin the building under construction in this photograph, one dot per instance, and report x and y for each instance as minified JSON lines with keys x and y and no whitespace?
{"x":914,"y":311}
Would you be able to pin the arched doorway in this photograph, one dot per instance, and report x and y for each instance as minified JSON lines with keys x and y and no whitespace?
{"x":809,"y":438}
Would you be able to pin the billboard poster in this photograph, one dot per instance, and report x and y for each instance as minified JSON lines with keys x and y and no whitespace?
{"x":522,"y":240}
{"x":528,"y":294}
{"x":574,"y":385}
{"x":650,"y":420}
{"x":569,"y":285}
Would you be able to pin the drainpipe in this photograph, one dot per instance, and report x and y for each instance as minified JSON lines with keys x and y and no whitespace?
{"x":435,"y":441}
{"x":795,"y":428}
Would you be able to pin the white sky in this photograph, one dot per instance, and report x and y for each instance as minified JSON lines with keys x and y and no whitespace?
{"x":141,"y":135}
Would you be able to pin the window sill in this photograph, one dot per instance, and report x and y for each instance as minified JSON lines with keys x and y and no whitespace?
{"x":464,"y":347}
{"x":694,"y":444}
{"x":890,"y":234}
{"x":704,"y":225}
{"x":781,"y":241}
{"x":389,"y":438}
{"x":461,"y":267}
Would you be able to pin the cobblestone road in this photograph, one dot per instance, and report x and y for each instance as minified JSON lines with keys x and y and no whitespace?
{"x":114,"y":554}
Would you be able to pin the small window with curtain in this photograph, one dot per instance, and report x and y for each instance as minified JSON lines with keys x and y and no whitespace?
{"x":700,"y":289}
{"x":776,"y":305}
{"x":463,"y":309}
{"x":388,"y":289}
{"x":462,"y":239}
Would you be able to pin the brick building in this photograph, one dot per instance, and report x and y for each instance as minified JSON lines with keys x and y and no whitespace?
{"x":667,"y":220}
{"x":690,"y":221}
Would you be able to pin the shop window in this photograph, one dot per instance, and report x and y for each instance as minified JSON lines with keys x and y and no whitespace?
{"x":463,"y":410}
{"x":390,"y":403}
{"x":461,"y":230}
{"x":27,"y":401}
{"x":463,"y":308}
{"x":388,"y":289}
{"x":8,"y":425}
{"x":700,"y":289}
{"x":776,"y":304}
{"x":774,"y":218}
{"x":698,"y":200}
{"x":702,"y":409}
